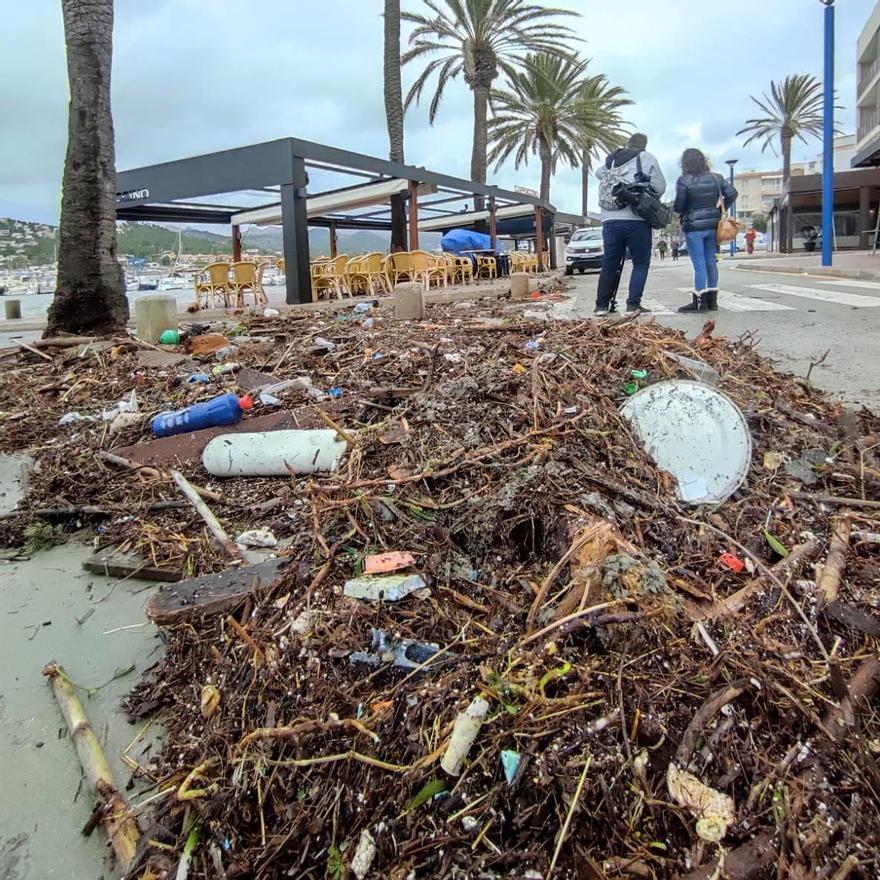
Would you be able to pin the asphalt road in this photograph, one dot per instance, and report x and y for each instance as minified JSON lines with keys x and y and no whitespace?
{"x":796,"y":319}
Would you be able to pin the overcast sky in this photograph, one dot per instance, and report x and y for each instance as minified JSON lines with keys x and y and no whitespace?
{"x":193,"y":76}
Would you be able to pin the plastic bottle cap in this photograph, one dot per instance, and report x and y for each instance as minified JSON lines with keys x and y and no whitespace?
{"x":246,"y":402}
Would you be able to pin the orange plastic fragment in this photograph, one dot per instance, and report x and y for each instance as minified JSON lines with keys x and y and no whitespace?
{"x":385,"y":562}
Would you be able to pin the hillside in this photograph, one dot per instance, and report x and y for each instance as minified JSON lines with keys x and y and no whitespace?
{"x":23,"y":243}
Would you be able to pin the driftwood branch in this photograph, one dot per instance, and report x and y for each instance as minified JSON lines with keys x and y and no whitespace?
{"x":205,"y":513}
{"x":118,"y":823}
{"x":835,"y":563}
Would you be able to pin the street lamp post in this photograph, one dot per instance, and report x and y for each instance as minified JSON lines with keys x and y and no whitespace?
{"x":828,"y":138}
{"x":731,"y":163}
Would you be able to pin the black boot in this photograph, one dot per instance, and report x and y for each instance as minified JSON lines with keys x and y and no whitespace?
{"x":697,"y":304}
{"x":711,"y":297}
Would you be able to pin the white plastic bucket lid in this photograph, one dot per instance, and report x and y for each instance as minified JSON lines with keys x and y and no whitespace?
{"x":694,"y":432}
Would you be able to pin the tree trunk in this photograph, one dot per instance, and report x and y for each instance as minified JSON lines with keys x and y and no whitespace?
{"x":479,"y":155}
{"x":394,"y":116}
{"x":586,"y":167}
{"x":788,"y":247}
{"x":90,"y":295}
{"x":546,"y":168}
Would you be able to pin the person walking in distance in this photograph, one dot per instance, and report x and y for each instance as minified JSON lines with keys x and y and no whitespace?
{"x":622,"y":229}
{"x":751,"y":235}
{"x":661,"y":248}
{"x":676,"y":246}
{"x":699,"y":195}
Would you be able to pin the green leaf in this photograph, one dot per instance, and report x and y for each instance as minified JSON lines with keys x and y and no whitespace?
{"x":775,"y":543}
{"x":335,"y":865}
{"x":431,"y":788}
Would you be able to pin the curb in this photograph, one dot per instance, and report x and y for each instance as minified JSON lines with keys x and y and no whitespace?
{"x":813,"y":271}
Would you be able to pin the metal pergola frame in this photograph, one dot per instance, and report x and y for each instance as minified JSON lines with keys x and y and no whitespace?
{"x":166,"y":193}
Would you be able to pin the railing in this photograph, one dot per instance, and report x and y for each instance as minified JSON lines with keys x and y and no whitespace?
{"x":868,"y":74}
{"x":868,"y":121}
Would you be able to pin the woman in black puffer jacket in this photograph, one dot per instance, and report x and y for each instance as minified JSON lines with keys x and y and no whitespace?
{"x":698,"y":197}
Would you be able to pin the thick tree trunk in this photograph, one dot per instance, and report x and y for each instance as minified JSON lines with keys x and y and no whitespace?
{"x":479,"y":154}
{"x":394,"y":116}
{"x":786,"y":176}
{"x":586,"y":167}
{"x":90,"y":295}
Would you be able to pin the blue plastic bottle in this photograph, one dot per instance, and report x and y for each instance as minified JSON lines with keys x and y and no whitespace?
{"x":226,"y":409}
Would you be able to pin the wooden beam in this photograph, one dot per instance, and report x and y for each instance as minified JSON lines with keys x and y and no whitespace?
{"x":493,"y":226}
{"x":236,"y":244}
{"x":413,"y":217}
{"x":539,"y":237}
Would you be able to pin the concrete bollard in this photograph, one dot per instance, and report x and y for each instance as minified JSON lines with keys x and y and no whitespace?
{"x":519,"y":286}
{"x":153,"y":314}
{"x":409,"y":301}
{"x":13,"y":309}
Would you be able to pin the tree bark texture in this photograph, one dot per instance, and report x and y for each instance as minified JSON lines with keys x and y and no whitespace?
{"x":479,"y":155}
{"x":90,"y":295}
{"x":786,"y":176}
{"x":546,"y":169}
{"x":394,"y":116}
{"x":586,"y":167}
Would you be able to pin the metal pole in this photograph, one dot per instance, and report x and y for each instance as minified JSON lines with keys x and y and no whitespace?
{"x":413,"y":215}
{"x":828,"y":139}
{"x":731,"y":163}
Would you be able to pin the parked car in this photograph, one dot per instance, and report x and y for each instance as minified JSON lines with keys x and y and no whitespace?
{"x":584,"y":250}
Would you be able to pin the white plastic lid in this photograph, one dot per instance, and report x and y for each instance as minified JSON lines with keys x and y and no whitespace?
{"x":694,"y":432}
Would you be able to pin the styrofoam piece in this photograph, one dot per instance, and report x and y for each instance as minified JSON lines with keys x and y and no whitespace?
{"x":273,"y":453}
{"x":694,"y":432}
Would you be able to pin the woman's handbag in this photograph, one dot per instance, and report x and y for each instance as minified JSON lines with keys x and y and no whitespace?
{"x":728,"y":228}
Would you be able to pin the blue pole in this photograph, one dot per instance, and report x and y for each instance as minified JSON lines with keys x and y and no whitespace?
{"x":828,"y":139}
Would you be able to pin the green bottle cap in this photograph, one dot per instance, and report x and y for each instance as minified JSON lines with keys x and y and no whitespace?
{"x":630,"y":388}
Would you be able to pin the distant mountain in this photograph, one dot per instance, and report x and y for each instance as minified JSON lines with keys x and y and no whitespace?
{"x":23,"y":243}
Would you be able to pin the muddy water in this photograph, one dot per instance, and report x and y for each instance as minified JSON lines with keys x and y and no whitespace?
{"x":42,"y":803}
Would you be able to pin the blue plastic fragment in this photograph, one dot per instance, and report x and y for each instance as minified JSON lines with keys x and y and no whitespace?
{"x":335,"y":391}
{"x":510,"y":763}
{"x":200,"y":378}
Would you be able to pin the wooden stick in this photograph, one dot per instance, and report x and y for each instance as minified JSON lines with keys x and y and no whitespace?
{"x":120,"y":826}
{"x":37,"y":352}
{"x":862,"y":687}
{"x":563,"y":832}
{"x":835,"y":563}
{"x":205,"y":513}
{"x":836,"y":500}
{"x":88,"y":510}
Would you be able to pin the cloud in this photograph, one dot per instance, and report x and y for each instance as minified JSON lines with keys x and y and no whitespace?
{"x":190,"y":77}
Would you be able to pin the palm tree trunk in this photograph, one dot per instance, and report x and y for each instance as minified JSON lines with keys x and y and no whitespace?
{"x":586,"y":167}
{"x":546,"y":168}
{"x":786,"y":176}
{"x":479,"y":154}
{"x":394,"y":116}
{"x":90,"y":295}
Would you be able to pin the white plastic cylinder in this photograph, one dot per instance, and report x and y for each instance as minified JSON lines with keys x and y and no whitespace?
{"x":273,"y":453}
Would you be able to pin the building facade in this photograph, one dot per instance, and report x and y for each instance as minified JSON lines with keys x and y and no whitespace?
{"x":868,"y":94}
{"x":758,"y":190}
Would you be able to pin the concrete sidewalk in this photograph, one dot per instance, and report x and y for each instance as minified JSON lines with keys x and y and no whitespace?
{"x":850,"y":264}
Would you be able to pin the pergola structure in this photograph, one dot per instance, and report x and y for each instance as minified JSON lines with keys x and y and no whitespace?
{"x":289,"y":181}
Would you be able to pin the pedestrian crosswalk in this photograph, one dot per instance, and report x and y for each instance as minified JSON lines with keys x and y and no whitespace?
{"x":851,"y":282}
{"x":736,"y":302}
{"x":828,"y":296}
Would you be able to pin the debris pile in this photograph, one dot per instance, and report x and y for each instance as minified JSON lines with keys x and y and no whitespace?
{"x":493,"y":642}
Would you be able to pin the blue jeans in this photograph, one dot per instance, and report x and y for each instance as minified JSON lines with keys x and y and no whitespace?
{"x":618,"y":236}
{"x":701,"y":250}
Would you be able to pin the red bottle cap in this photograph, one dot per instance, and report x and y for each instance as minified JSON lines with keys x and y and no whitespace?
{"x":246,"y":402}
{"x":734,"y":563}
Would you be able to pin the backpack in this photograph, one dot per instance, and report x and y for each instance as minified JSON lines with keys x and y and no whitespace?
{"x":614,"y":178}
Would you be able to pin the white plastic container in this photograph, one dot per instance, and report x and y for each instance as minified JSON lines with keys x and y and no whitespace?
{"x":269,"y":453}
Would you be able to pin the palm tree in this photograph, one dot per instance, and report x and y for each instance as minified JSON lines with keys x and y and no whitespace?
{"x":90,"y":294}
{"x":394,"y":116}
{"x":598,"y":90}
{"x":479,"y":39}
{"x":793,"y":109}
{"x":544,"y":112}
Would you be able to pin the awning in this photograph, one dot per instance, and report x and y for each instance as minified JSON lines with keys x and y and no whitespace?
{"x":333,"y":202}
{"x":453,"y":220}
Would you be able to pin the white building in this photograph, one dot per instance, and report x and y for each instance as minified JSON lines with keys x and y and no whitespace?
{"x":867,"y":151}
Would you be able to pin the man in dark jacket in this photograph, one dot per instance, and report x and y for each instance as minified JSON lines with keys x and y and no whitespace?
{"x":622,"y":230}
{"x":699,"y":195}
